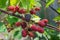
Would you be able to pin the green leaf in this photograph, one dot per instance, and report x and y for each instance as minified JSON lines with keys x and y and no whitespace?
{"x":35,"y":18}
{"x":58,"y":10}
{"x":38,"y":4}
{"x":28,"y":4}
{"x":1,"y":24}
{"x":36,"y":38}
{"x":2,"y":27}
{"x":57,"y":18}
{"x":0,"y":13}
{"x":3,"y":3}
{"x":16,"y":33}
{"x":39,"y":34}
{"x":12,"y":19}
{"x":49,"y":2}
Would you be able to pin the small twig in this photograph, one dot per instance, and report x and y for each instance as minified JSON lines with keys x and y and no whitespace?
{"x":18,"y":16}
{"x":52,"y":27}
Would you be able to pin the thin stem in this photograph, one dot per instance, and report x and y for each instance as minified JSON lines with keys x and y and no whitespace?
{"x":18,"y":16}
{"x":52,"y":27}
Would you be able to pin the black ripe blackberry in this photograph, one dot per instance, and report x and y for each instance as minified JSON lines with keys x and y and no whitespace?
{"x":27,"y":17}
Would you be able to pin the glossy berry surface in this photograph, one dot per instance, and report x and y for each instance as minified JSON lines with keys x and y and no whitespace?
{"x":45,"y":20}
{"x":23,"y":24}
{"x":22,"y":11}
{"x":37,"y":8}
{"x":34,"y":27}
{"x":24,"y":33}
{"x":32,"y":11}
{"x":40,"y":30}
{"x":41,"y":23}
{"x":19,"y":11}
{"x":17,"y":23}
{"x":12,"y":8}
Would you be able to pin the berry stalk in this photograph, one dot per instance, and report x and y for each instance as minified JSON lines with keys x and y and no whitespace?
{"x":3,"y":11}
{"x":52,"y":27}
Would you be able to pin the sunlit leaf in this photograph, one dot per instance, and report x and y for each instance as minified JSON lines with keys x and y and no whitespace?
{"x":57,"y":18}
{"x":58,"y":10}
{"x":14,"y":2}
{"x":35,"y":18}
{"x":49,"y":2}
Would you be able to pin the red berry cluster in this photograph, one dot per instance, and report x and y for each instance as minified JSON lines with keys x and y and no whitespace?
{"x":22,"y":10}
{"x":29,"y":30}
{"x":33,"y":11}
{"x":43,"y":22}
{"x":16,"y":9}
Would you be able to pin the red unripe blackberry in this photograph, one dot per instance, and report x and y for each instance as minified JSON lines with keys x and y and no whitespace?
{"x":32,"y":11}
{"x":45,"y":20}
{"x":37,"y":8}
{"x":17,"y":23}
{"x":23,"y":24}
{"x":17,"y":8}
{"x":41,"y":23}
{"x":40,"y":30}
{"x":24,"y":33}
{"x":19,"y":11}
{"x":22,"y":11}
{"x":31,"y":34}
{"x":12,"y":8}
{"x":37,"y":28}
{"x":34,"y":27}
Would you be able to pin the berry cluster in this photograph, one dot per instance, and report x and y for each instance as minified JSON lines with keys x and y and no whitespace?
{"x":26,"y":14}
{"x":22,"y":10}
{"x":16,"y":9}
{"x":28,"y":27}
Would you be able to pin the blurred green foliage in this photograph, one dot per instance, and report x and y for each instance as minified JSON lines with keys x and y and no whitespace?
{"x":28,"y":4}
